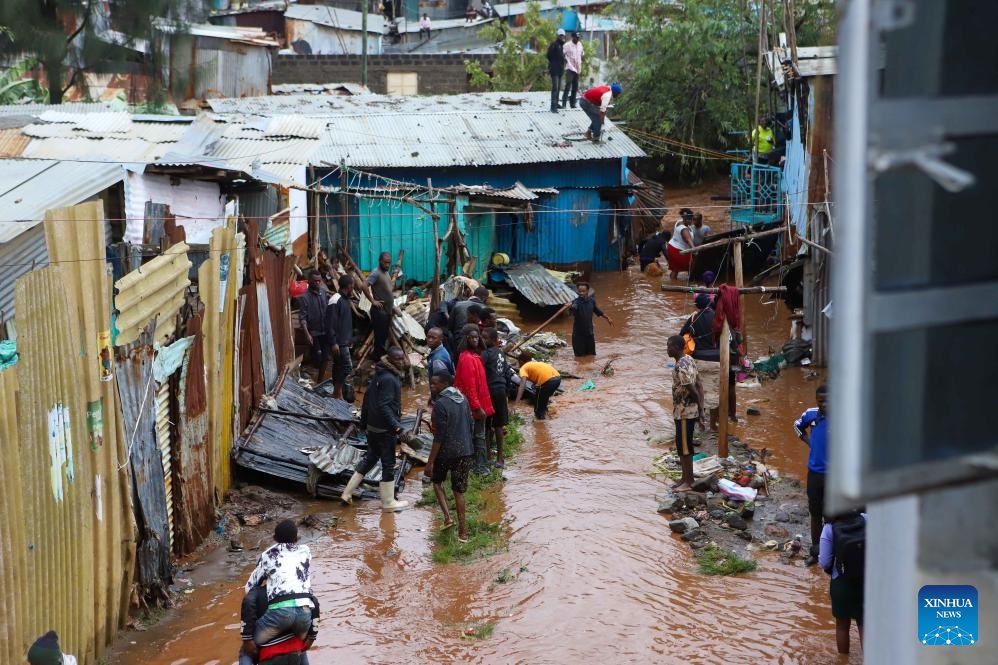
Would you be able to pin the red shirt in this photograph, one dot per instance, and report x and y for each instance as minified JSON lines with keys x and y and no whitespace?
{"x":470,"y":380}
{"x":595,"y":95}
{"x":293,"y":645}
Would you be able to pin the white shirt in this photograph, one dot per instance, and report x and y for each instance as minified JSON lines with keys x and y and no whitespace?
{"x":286,"y":568}
{"x":573,"y":56}
{"x":677,"y":236}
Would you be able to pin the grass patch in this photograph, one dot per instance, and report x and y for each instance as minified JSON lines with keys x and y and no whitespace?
{"x":481,"y":632}
{"x":484,"y":537}
{"x":715,"y":561}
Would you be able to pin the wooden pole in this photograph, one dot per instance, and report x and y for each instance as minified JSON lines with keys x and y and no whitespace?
{"x":722,"y":404}
{"x":344,"y":206}
{"x":435,"y":218}
{"x":740,"y":283}
{"x":539,"y":328}
{"x":725,"y":241}
{"x":704,"y":289}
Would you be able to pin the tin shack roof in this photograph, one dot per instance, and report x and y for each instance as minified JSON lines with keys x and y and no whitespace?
{"x":335,"y":17}
{"x":477,"y":129}
{"x":537,"y":285}
{"x":30,"y":187}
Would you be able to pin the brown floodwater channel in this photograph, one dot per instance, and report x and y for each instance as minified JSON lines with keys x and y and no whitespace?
{"x":596,"y":573}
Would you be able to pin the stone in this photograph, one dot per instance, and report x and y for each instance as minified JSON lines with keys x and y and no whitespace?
{"x":695,"y":499}
{"x":698,"y":544}
{"x":771,"y":544}
{"x":704,"y":484}
{"x":736,"y":522}
{"x":716,"y":513}
{"x":744,"y":535}
{"x":757,"y":483}
{"x":669,"y":502}
{"x":715,"y":502}
{"x":776,"y":531}
{"x":747,"y":511}
{"x":693,"y":534}
{"x":683,"y":525}
{"x":753,"y":411}
{"x":782,"y":516}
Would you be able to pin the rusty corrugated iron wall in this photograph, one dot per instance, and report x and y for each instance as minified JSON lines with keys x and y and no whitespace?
{"x":16,"y":626}
{"x":193,"y":491}
{"x":137,"y":394}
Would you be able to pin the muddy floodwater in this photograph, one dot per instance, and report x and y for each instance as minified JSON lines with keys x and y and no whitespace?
{"x":597,"y":575}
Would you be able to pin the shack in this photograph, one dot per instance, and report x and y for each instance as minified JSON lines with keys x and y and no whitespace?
{"x":805,"y":77}
{"x":321,"y":29}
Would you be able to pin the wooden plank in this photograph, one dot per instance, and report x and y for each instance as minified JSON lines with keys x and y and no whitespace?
{"x":725,"y":241}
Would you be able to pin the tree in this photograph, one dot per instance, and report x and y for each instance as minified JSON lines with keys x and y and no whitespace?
{"x":71,"y":37}
{"x":689,"y":69}
{"x":14,"y":87}
{"x":521,"y":62}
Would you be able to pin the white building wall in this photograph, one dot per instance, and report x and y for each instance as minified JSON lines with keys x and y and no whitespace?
{"x":197,"y":205}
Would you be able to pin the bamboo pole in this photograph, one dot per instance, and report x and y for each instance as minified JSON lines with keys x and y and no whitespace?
{"x":722,"y":404}
{"x":810,"y":243}
{"x":703,"y":289}
{"x":539,"y":328}
{"x":724,"y":241}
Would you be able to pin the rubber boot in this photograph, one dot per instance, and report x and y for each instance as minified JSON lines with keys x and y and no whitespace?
{"x":388,"y":502}
{"x":347,"y":496}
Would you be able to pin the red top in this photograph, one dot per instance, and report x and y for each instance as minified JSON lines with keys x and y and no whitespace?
{"x":470,"y":380}
{"x":595,"y":95}
{"x":294,"y":645}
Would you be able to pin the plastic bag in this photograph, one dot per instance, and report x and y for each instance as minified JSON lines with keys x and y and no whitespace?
{"x":734,"y":491}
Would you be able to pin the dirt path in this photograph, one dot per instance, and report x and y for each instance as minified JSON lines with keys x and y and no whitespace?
{"x":596,"y":573}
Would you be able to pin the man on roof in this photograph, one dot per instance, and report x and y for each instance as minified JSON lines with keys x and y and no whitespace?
{"x":595,"y":102}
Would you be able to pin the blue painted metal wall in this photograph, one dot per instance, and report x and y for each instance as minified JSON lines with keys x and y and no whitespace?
{"x":606,"y":247}
{"x":479,"y":228}
{"x":564,"y":229}
{"x":795,"y":172}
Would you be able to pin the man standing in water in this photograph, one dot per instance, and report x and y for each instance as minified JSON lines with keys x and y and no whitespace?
{"x":815,"y":419}
{"x":381,"y":416}
{"x":583,"y":309}
{"x":452,"y":450}
{"x":687,"y":408}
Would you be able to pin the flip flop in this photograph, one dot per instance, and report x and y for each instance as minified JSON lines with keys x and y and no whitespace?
{"x":447,"y":525}
{"x":462,"y":540}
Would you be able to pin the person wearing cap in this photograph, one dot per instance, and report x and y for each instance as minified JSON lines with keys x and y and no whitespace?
{"x":595,"y":102}
{"x":556,"y":66}
{"x":285,"y":566}
{"x":573,"y":69}
{"x":46,"y":651}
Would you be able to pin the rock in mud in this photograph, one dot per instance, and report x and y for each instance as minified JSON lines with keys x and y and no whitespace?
{"x":736,"y":522}
{"x":695,"y":500}
{"x":753,"y":411}
{"x":683,"y":525}
{"x":704,"y":484}
{"x":669,"y":502}
{"x":776,"y":531}
{"x":782,"y":516}
{"x":716,"y":513}
{"x":693,"y":535}
{"x":757,"y":483}
{"x":744,"y":535}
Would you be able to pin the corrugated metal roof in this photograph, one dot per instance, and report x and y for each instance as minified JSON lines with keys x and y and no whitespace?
{"x":518,"y":192}
{"x":102,"y":123}
{"x":120,"y":151}
{"x":296,"y":126}
{"x":319,"y":89}
{"x":538,"y":285}
{"x":334,"y":17}
{"x":28,"y":188}
{"x":69,"y":107}
{"x":154,"y":132}
{"x":241,"y":34}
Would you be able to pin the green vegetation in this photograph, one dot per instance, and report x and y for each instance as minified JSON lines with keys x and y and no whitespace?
{"x":689,"y":70}
{"x":521,"y":58}
{"x":715,"y":561}
{"x":15,"y":88}
{"x":480,"y":632}
{"x":484,"y":537}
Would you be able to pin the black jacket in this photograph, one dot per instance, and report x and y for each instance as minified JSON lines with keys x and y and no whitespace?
{"x":339,"y":321}
{"x":254,"y":606}
{"x":453,"y":426}
{"x":497,"y":369}
{"x":382,"y":408}
{"x":583,"y":309}
{"x":700,"y":326}
{"x":556,"y":57}
{"x":312,"y":310}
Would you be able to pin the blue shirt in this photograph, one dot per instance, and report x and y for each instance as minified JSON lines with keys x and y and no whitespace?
{"x":439,"y":360}
{"x":817,"y":461}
